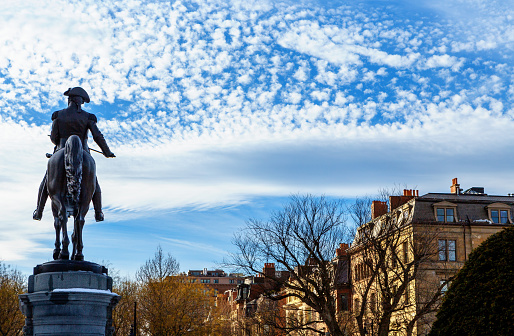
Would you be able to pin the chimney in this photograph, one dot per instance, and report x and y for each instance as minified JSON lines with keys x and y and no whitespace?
{"x":341,"y":251}
{"x":378,"y":209}
{"x":410,"y":192}
{"x":269,"y":270}
{"x":455,"y":188}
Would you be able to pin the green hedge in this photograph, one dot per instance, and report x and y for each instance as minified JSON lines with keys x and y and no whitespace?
{"x":480,"y":300}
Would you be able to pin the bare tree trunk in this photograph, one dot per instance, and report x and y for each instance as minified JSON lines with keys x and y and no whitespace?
{"x":301,"y":240}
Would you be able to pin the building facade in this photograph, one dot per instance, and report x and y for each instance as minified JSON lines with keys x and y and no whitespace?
{"x":403,"y":260}
{"x":217,"y":279}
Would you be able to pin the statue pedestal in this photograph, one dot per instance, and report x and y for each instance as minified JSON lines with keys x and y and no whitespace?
{"x":69,"y":298}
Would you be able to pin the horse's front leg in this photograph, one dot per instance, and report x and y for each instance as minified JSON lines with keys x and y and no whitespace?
{"x":56,"y":206}
{"x":74,"y":242}
{"x":57,"y":226}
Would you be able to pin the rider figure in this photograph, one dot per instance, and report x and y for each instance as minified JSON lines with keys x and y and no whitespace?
{"x":74,"y":121}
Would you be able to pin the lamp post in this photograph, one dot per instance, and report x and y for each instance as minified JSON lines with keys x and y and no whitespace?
{"x":133,"y":328}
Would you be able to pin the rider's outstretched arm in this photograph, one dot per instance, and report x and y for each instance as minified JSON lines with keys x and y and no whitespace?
{"x":98,"y":137}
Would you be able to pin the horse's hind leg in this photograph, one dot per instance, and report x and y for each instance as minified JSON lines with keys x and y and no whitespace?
{"x":65,"y":254}
{"x":57,"y":226}
{"x":78,"y":245}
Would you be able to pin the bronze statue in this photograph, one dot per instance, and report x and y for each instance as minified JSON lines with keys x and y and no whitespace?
{"x":70,"y":180}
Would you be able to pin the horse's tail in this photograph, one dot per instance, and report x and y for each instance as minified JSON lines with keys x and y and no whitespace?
{"x":73,"y":158}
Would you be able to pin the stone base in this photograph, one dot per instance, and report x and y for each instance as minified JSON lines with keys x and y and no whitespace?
{"x":68,"y":302}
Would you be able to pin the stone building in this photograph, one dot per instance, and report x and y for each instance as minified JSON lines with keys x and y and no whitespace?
{"x":404,"y":259}
{"x":299,"y":314}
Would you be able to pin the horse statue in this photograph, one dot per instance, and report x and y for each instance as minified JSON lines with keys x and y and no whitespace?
{"x":71,"y":183}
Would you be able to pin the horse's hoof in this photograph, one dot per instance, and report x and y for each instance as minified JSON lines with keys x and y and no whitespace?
{"x":79,"y":257}
{"x":56,"y":254}
{"x":37,"y":215}
{"x":64,"y":256}
{"x":99,"y":216}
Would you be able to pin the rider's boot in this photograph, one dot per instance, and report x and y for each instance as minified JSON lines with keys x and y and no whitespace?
{"x":41,"y":200}
{"x":97,"y":204}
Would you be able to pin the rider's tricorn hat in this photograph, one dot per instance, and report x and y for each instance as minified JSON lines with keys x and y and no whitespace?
{"x":77,"y":91}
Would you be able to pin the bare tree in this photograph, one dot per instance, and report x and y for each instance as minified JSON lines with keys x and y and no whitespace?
{"x":301,"y":239}
{"x":158,"y":268}
{"x":11,"y":285}
{"x":360,"y":210}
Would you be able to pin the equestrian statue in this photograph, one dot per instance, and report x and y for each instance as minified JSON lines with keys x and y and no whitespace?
{"x":70,"y":179}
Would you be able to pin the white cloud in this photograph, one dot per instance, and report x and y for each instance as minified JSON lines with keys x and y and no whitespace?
{"x":216,"y":103}
{"x":444,"y":61}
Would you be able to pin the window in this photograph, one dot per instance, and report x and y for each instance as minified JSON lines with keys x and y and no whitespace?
{"x":442,"y":250}
{"x":205,"y":280}
{"x":452,"y":251}
{"x":445,"y":212}
{"x":373,"y":302}
{"x":446,"y":215}
{"x":394,"y":263}
{"x":344,"y":302}
{"x":499,"y":213}
{"x":499,"y":216}
{"x":308,"y":316}
{"x":447,"y":250}
{"x":216,"y":281}
{"x":232,"y":281}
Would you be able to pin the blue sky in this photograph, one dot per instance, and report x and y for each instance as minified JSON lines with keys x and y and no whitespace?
{"x":218,"y":110}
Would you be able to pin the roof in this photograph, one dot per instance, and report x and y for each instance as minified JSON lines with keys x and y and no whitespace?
{"x":477,"y":198}
{"x":469,"y":207}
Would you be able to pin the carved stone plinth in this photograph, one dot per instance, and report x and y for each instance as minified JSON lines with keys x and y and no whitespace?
{"x":74,"y":302}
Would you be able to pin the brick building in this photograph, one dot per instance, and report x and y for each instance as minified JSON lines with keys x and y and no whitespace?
{"x":217,"y":279}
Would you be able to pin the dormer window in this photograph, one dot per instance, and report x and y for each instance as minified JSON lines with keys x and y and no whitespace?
{"x":499,"y":213}
{"x":499,"y":216}
{"x":445,"y":215}
{"x":445,"y":212}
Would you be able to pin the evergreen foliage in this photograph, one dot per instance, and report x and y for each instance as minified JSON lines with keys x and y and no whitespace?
{"x":480,"y":300}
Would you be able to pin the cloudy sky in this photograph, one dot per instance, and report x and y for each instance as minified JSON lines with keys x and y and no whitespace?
{"x":219,"y":110}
